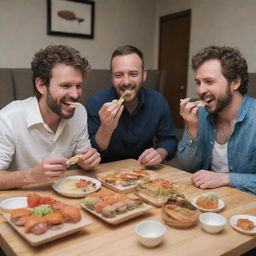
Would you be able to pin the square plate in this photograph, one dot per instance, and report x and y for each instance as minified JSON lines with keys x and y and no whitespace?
{"x":120,"y":217}
{"x":124,"y":189}
{"x":49,"y":235}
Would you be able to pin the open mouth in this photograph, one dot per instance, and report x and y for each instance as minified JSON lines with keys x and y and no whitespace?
{"x":72,"y":104}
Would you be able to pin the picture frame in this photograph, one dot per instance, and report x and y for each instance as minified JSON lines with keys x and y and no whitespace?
{"x":72,"y":18}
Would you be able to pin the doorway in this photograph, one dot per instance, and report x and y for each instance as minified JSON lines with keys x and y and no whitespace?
{"x":174,"y":58}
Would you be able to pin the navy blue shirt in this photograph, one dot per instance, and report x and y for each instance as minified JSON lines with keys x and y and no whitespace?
{"x":135,"y":132}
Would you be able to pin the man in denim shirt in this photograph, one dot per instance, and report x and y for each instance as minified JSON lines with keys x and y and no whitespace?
{"x":219,"y":142}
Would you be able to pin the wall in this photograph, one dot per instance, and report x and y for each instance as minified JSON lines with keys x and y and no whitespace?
{"x":215,"y":22}
{"x":117,"y":22}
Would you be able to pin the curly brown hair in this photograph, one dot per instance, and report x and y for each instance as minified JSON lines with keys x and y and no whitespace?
{"x":233,"y":64}
{"x":45,"y":59}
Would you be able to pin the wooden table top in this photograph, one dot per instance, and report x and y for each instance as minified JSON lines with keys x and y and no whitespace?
{"x":100,"y":238}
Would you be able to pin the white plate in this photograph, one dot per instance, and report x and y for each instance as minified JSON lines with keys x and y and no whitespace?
{"x":56,"y":184}
{"x":221,"y":205}
{"x":233,"y":221}
{"x":14,"y":203}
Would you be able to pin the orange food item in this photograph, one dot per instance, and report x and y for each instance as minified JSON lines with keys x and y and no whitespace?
{"x":20,"y":212}
{"x":32,"y":221}
{"x":245,"y":224}
{"x":35,"y":200}
{"x":54,"y":218}
{"x":82,"y":183}
{"x":206,"y":203}
{"x":70,"y":213}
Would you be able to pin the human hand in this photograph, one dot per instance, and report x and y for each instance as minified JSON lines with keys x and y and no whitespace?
{"x":209,"y":179}
{"x":150,"y":157}
{"x":89,"y":158}
{"x":188,"y":111}
{"x":49,"y":169}
{"x":109,"y":115}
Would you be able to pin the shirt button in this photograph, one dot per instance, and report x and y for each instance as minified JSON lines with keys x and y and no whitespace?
{"x":190,"y":141}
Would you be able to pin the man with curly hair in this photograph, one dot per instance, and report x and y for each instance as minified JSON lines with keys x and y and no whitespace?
{"x":219,"y":144}
{"x":40,"y":133}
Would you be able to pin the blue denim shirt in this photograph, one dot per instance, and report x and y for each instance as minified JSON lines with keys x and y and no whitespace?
{"x":135,"y":132}
{"x":196,"y":154}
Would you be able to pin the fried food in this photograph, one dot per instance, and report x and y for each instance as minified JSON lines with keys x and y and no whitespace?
{"x":74,"y":159}
{"x":208,"y":201}
{"x":245,"y":224}
{"x":73,"y":104}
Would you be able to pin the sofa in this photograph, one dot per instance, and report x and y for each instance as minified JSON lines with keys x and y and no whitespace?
{"x":16,"y":83}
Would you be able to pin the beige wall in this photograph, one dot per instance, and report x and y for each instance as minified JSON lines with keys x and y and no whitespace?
{"x":117,"y":22}
{"x":216,"y":22}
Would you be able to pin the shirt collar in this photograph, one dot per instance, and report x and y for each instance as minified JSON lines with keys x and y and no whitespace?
{"x":33,"y":113}
{"x":244,"y":107}
{"x":34,"y":116}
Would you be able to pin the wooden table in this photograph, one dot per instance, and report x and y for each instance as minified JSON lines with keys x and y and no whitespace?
{"x":100,"y":238}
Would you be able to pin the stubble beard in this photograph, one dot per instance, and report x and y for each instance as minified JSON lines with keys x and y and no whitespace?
{"x":56,"y":108}
{"x":222,"y":102}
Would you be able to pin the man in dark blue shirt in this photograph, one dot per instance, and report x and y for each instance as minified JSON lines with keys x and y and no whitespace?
{"x":121,"y":131}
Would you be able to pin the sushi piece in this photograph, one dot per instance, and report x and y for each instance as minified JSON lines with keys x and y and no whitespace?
{"x":20,"y":216}
{"x":36,"y":225}
{"x":54,"y":220}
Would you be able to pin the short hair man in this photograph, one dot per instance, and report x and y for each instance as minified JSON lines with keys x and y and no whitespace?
{"x":39,"y":133}
{"x":122,"y":131}
{"x":219,"y":141}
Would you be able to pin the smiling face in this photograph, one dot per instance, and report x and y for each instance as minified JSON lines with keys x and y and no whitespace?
{"x":128,"y":76}
{"x":213,"y":87}
{"x":65,"y":86}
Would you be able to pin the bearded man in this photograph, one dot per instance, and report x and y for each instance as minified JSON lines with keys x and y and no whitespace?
{"x":122,"y":131}
{"x":218,"y":144}
{"x":40,"y":133}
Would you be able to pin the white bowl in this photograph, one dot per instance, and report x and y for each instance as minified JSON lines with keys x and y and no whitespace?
{"x":14,"y":203}
{"x":212,"y":222}
{"x":150,"y":233}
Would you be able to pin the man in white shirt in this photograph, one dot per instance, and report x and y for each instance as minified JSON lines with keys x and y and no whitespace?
{"x":39,"y":134}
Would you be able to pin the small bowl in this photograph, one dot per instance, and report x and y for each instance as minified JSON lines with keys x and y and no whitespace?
{"x":14,"y":203}
{"x":212,"y":222}
{"x":150,"y":233}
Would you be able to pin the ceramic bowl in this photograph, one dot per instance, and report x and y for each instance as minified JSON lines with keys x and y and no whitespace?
{"x":14,"y":203}
{"x":212,"y":222}
{"x":150,"y":233}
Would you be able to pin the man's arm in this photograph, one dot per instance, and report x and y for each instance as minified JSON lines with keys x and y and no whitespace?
{"x":102,"y":123}
{"x":189,"y":153}
{"x":48,"y":170}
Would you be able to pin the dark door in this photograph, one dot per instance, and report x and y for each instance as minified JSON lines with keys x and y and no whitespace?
{"x":174,"y":58}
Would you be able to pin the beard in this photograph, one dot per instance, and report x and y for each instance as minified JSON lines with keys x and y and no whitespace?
{"x":131,"y":87}
{"x":222,"y":102}
{"x":56,"y":107}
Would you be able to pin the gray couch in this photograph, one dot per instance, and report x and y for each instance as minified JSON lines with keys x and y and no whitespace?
{"x":16,"y":83}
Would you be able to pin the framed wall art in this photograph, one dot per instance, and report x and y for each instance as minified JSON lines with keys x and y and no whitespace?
{"x":74,"y":18}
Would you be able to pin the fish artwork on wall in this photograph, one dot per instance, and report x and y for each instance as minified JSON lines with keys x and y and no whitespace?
{"x":69,"y":15}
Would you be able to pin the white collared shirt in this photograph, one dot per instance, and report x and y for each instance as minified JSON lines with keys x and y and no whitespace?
{"x":25,"y":140}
